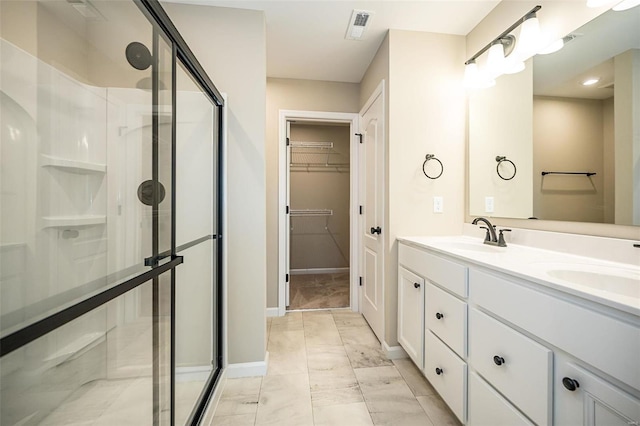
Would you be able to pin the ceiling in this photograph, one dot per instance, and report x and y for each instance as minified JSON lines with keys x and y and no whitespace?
{"x":588,"y":55}
{"x":306,"y":38}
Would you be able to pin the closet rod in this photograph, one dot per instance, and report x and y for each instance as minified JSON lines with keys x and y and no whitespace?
{"x":311,"y":212}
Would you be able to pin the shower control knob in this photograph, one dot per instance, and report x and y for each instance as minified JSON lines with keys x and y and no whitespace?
{"x":376,"y":230}
{"x":416,"y":285}
{"x":570,"y":384}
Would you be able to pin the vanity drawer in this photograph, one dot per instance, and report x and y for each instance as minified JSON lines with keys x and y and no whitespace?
{"x":451,"y":383}
{"x":562,"y":323}
{"x":487,"y":407}
{"x":446,"y":317}
{"x":445,"y":273}
{"x":517,"y":366}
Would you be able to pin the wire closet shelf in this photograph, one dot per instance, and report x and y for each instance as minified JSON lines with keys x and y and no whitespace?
{"x":317,"y":156}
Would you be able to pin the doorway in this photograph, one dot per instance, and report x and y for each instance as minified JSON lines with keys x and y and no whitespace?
{"x":318,"y":183}
{"x":319,"y":215}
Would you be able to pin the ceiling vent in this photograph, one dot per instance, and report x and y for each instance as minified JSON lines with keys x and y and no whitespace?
{"x":358,"y":24}
{"x":86,"y":9}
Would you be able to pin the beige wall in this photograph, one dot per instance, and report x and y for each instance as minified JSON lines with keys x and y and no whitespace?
{"x":426,"y":114}
{"x":320,"y":241}
{"x":215,"y":36}
{"x":568,"y":135}
{"x":500,"y":125}
{"x":557,"y":18}
{"x":302,"y":95}
{"x":609,"y":159}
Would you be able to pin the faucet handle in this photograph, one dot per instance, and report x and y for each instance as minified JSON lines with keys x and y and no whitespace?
{"x":487,"y":235}
{"x":501,"y":241}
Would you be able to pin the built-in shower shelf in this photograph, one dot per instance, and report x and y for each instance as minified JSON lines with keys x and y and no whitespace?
{"x":71,"y":221}
{"x":73,"y":166}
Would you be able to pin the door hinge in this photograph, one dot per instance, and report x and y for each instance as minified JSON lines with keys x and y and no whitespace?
{"x":360,"y":136}
{"x":287,"y":209}
{"x":360,"y":281}
{"x":361,"y":209}
{"x":286,"y":278}
{"x":288,"y":142}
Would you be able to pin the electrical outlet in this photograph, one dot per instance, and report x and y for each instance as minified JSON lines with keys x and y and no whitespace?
{"x":438,"y":205}
{"x":488,"y":205}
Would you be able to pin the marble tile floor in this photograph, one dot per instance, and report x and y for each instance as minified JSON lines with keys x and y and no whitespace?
{"x":319,"y":291}
{"x":327,"y":368}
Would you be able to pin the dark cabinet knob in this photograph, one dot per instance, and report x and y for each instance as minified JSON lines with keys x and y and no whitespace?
{"x":439,"y":315}
{"x":498,"y":360}
{"x":416,"y":285}
{"x":570,"y":384}
{"x":439,"y":371}
{"x":376,"y":230}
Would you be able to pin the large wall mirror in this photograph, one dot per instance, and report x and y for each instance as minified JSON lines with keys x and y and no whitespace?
{"x":573,"y":150}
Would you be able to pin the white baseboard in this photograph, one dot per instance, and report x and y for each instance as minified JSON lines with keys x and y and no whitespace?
{"x":248,"y":369}
{"x":273,"y":312}
{"x":318,"y":271}
{"x":198,"y":373}
{"x":394,"y":352}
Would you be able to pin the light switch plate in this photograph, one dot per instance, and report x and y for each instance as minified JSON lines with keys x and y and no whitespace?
{"x":488,"y":205}
{"x":438,"y":205}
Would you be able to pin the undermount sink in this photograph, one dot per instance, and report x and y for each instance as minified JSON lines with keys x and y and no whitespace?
{"x":470,"y":246}
{"x":621,"y":281}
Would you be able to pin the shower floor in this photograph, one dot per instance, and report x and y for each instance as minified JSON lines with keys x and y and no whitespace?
{"x":319,"y":291}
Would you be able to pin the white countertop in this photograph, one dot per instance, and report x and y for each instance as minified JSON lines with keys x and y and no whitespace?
{"x":609,"y":283}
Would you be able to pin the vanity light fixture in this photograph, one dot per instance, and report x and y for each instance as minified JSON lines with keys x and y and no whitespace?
{"x":506,"y":54}
{"x":590,"y":81}
{"x":626,"y":4}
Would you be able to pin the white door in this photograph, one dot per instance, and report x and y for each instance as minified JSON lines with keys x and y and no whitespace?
{"x":372,"y":201}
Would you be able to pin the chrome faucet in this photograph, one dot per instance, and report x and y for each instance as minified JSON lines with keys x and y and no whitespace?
{"x":491,"y":238}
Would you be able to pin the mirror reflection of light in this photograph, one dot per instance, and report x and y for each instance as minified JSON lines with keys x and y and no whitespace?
{"x":626,"y":4}
{"x":553,"y":47}
{"x":14,"y":133}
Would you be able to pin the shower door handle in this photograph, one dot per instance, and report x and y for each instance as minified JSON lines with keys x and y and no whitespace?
{"x":376,"y":230}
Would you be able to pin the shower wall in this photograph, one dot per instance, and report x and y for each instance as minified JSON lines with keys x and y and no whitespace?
{"x":319,"y":180}
{"x":76,"y":143}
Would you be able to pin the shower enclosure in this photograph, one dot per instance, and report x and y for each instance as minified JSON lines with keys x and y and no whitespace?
{"x":109,"y":181}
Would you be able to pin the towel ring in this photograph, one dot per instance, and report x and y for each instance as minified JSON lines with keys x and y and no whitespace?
{"x":500,"y":159}
{"x":424,"y":165}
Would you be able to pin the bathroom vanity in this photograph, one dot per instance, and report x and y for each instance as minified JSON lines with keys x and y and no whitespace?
{"x":521,"y":335}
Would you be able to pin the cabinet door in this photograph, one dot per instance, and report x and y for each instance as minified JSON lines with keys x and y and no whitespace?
{"x":411,"y":314}
{"x":584,"y":399}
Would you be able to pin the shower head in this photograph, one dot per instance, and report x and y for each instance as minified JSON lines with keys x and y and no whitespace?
{"x":138,"y":55}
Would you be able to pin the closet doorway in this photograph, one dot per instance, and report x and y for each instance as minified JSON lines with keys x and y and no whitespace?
{"x":317,"y":239}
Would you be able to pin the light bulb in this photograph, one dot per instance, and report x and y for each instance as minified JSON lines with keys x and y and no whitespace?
{"x":591,"y":81}
{"x":474,"y":79}
{"x":626,"y":4}
{"x":528,"y":42}
{"x":495,"y":59}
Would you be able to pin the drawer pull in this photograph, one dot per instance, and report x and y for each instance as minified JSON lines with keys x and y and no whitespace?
{"x":570,"y":384}
{"x":416,"y":285}
{"x":439,"y":371}
{"x":498,"y":360}
{"x":439,"y":315}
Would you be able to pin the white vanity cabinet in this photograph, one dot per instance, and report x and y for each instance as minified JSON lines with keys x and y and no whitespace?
{"x":410,"y":318}
{"x":503,"y":349}
{"x":583,"y":398}
{"x":443,"y":322}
